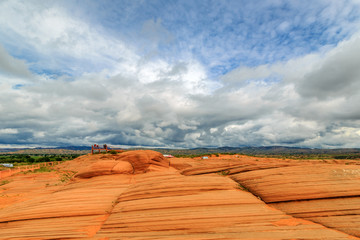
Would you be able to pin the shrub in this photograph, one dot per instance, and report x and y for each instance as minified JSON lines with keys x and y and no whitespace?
{"x":241,"y":187}
{"x":44,"y":159}
{"x":43,"y":169}
{"x":4,"y":182}
{"x":67,"y":176}
{"x":30,"y":160}
{"x":224,"y":173}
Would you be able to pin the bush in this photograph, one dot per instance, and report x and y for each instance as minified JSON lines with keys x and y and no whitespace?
{"x":67,"y":176}
{"x":224,"y":173}
{"x":241,"y":187}
{"x":44,"y":159}
{"x":30,"y":160}
{"x":4,"y":182}
{"x":43,"y":169}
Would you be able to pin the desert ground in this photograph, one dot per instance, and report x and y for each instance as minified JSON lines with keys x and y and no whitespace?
{"x":143,"y":195}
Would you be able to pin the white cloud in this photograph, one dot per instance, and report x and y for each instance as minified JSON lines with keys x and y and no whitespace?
{"x":338,"y":75}
{"x":8,"y":131}
{"x":60,"y":41}
{"x":315,"y":95}
{"x":12,"y":67}
{"x":119,"y":93}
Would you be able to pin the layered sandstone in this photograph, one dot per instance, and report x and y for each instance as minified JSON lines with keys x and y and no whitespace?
{"x":131,"y":162}
{"x":142,"y":195}
{"x":324,"y":192}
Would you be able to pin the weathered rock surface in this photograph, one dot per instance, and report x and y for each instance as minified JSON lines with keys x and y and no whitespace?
{"x":342,"y":214}
{"x":317,"y":181}
{"x":325,"y":192}
{"x":126,"y":163}
{"x":75,"y":210}
{"x":106,"y":167}
{"x":140,"y":195}
{"x":201,"y":207}
{"x":143,"y":160}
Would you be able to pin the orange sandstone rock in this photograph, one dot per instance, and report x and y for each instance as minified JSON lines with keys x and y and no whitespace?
{"x":122,"y":167}
{"x":339,"y":213}
{"x":141,"y":160}
{"x":136,"y":195}
{"x":316,"y":181}
{"x":130,"y":162}
{"x":106,"y":167}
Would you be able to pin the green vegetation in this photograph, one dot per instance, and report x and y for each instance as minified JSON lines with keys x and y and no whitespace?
{"x":26,"y":159}
{"x":65,"y":177}
{"x":224,"y":173}
{"x":265,"y":152}
{"x":241,"y":187}
{"x":44,"y":169}
{"x":4,"y":182}
{"x":104,"y":152}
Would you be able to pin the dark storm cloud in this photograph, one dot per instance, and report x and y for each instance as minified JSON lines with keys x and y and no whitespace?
{"x":286,"y":74}
{"x":338,"y":76}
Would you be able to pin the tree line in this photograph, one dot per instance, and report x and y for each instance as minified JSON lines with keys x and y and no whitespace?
{"x":38,"y":158}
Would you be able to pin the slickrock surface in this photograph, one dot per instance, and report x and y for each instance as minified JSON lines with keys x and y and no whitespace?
{"x":339,"y":213}
{"x":131,"y":162}
{"x":317,"y":181}
{"x":201,"y":207}
{"x":325,"y":192}
{"x":142,"y":195}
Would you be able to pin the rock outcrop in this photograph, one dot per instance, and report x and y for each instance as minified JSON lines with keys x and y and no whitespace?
{"x":131,"y":162}
{"x":324,"y":192}
{"x":141,"y":195}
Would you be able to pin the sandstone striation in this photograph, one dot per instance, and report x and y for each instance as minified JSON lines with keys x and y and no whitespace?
{"x":325,"y":192}
{"x":126,"y":163}
{"x":142,"y":195}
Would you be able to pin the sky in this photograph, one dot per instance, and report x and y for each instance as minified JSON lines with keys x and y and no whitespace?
{"x":180,"y":74}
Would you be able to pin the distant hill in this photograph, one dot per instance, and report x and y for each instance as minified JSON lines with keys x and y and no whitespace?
{"x":274,"y":151}
{"x":75,"y":148}
{"x":57,"y":151}
{"x":5,"y":150}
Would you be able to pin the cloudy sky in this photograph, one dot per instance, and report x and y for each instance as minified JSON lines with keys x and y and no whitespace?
{"x":180,"y":73}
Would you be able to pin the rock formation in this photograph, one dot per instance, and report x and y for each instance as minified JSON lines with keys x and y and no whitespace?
{"x":141,"y":195}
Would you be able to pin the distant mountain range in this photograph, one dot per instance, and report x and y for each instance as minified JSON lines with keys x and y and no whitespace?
{"x":75,"y":148}
{"x":288,"y":150}
{"x":256,"y":151}
{"x":272,"y":150}
{"x":57,"y":150}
